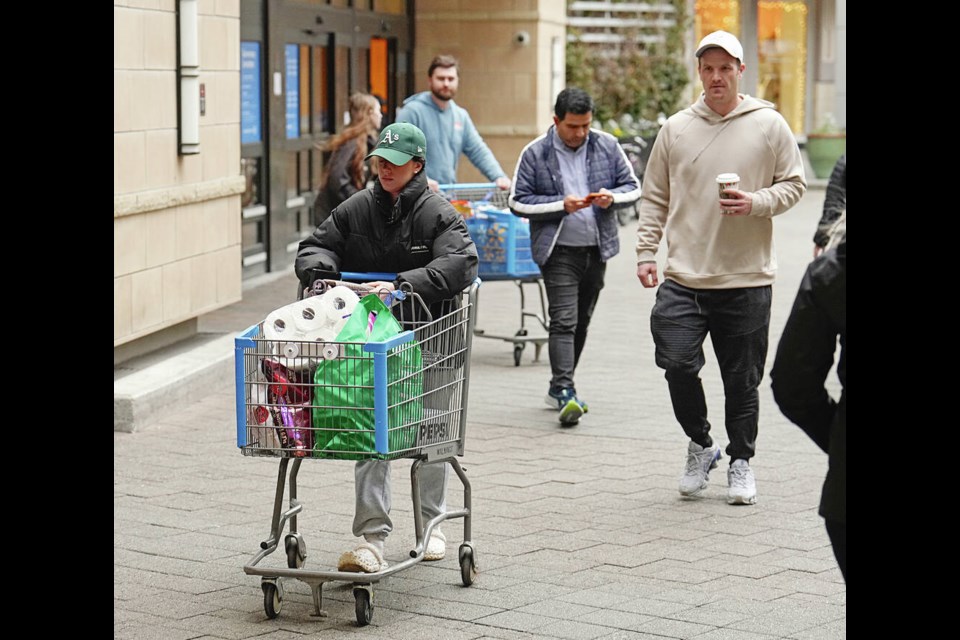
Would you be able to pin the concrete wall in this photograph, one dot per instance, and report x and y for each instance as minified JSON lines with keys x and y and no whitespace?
{"x":506,"y":86}
{"x":176,"y":218}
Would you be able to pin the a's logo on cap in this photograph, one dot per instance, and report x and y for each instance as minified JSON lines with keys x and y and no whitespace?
{"x":389,"y":138}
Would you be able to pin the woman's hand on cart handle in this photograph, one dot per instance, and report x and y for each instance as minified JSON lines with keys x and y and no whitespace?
{"x":382,"y":288}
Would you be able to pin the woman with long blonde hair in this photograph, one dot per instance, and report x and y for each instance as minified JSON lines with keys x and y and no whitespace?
{"x":347,"y":172}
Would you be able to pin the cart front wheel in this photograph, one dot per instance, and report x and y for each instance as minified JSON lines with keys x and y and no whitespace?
{"x":468,"y":567}
{"x":272,"y":600}
{"x":296,"y":550}
{"x":364,"y":607}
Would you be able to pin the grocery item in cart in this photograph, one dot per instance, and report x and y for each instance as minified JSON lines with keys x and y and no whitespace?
{"x":288,"y":395}
{"x":302,"y":328}
{"x":259,"y":418}
{"x":463,"y":207}
{"x":503,"y":243}
{"x":343,"y":389}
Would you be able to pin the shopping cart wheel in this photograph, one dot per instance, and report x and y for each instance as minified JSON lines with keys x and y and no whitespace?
{"x":468,"y":567}
{"x":296,"y":550}
{"x":517,"y":353}
{"x":364,"y":606}
{"x":272,"y":597}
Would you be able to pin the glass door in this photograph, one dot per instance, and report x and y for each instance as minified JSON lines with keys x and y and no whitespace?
{"x":300,"y":61}
{"x":254,"y":229}
{"x":307,"y":86}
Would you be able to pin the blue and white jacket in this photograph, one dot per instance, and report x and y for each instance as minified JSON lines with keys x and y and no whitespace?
{"x":537,"y":191}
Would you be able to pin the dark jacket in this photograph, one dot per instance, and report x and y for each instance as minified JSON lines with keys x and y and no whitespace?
{"x":834,"y":202}
{"x":804,"y":358}
{"x":537,"y":191}
{"x":421,"y":238}
{"x":339,"y":184}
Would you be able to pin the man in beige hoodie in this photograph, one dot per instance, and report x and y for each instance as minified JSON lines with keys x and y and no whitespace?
{"x":720,"y":265}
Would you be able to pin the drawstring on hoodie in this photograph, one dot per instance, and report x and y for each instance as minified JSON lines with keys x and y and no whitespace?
{"x":747,"y":105}
{"x":710,"y":141}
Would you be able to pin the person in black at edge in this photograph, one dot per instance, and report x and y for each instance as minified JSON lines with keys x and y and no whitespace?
{"x":803,"y":361}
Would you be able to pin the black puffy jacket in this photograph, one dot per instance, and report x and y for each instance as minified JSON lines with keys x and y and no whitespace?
{"x":421,"y":238}
{"x":803,"y":361}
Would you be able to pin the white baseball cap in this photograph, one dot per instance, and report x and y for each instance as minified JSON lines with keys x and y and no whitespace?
{"x":726,"y":41}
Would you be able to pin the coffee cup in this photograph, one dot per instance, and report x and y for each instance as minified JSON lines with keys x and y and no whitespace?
{"x":727,"y":181}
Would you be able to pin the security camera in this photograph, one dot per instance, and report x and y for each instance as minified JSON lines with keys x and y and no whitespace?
{"x":522,"y":38}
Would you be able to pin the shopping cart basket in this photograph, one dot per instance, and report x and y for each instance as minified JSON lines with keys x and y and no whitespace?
{"x":417,"y":408}
{"x":503,"y":244}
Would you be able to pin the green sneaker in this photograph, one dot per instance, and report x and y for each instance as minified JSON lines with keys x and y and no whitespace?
{"x":566,"y":401}
{"x":571,"y":412}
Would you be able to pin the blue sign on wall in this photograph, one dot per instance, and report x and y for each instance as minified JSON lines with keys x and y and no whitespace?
{"x":250,"y":116}
{"x":293,"y":91}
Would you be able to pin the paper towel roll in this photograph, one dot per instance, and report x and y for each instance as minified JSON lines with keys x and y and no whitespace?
{"x":290,"y":349}
{"x":296,"y":318}
{"x":301,"y":329}
{"x":331,"y":351}
{"x":339,"y":303}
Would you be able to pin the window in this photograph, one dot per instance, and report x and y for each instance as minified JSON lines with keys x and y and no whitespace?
{"x":782,"y":58}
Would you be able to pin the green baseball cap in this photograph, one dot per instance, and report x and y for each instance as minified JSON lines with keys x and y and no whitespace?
{"x":399,"y":143}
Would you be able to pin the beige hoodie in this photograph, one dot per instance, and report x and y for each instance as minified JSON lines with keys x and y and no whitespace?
{"x":707,"y":250}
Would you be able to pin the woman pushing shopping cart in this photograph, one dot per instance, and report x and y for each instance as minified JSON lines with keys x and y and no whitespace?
{"x":427,"y":264}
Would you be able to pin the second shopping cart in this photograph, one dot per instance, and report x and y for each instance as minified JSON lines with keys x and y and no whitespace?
{"x":503,"y":242}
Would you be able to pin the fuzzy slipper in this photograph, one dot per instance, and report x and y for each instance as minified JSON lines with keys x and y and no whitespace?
{"x":365,"y":558}
{"x":436,"y":547}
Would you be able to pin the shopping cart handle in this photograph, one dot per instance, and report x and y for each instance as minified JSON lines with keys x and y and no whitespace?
{"x":362,"y":276}
{"x":468,"y":185}
{"x":318,"y":273}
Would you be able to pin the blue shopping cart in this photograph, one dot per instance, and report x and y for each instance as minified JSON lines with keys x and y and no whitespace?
{"x":503,"y":243}
{"x":407,"y":399}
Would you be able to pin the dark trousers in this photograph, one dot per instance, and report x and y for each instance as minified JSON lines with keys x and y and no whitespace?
{"x":838,"y":538}
{"x":573,"y":278}
{"x":738,"y":322}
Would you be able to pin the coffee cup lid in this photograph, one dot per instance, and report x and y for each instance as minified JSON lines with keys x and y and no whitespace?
{"x":728,"y":177}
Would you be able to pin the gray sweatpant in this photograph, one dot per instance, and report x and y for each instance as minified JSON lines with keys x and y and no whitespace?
{"x":372,"y":482}
{"x":372,"y":477}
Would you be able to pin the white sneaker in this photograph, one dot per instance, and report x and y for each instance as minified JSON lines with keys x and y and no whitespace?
{"x":742,"y":486}
{"x":436,"y":546}
{"x":697,"y":472}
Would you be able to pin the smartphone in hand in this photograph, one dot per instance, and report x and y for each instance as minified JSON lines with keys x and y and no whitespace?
{"x":592,"y":196}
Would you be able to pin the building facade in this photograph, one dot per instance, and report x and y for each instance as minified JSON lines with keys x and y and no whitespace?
{"x":176,"y":216}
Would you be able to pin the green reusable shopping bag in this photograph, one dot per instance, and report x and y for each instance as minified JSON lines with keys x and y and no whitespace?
{"x":343,"y":393}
